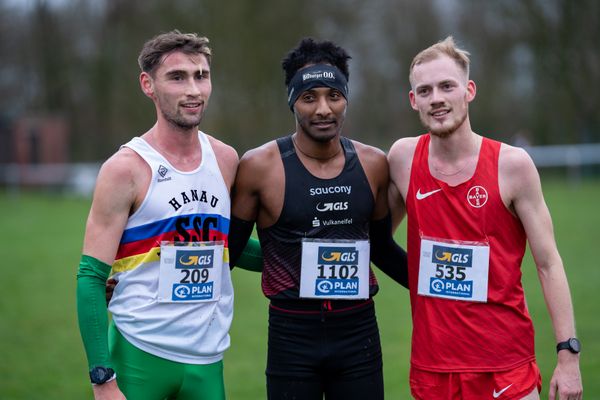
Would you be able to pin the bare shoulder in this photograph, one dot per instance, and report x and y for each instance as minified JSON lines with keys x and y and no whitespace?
{"x":368,"y":152}
{"x":227,"y":158}
{"x":225,"y":153}
{"x":517,"y":174}
{"x":400,"y":159}
{"x":122,"y":168}
{"x":402,"y":150}
{"x":260,"y":158}
{"x":515,"y":163}
{"x":260,"y":169}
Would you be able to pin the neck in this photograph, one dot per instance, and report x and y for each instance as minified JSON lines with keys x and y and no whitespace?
{"x":453,"y":159}
{"x":181,"y":148}
{"x":459,"y":144}
{"x":320,"y":151}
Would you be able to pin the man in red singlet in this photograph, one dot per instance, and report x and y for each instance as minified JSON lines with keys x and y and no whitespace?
{"x":472,"y":204}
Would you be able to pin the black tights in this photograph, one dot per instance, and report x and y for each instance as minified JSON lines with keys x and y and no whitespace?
{"x":335,"y":354}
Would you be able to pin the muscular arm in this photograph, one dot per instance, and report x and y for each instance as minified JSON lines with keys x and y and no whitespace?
{"x":521,"y":189}
{"x":114,"y":196}
{"x":256,"y":169}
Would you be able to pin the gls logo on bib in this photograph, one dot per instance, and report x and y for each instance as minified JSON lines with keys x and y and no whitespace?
{"x":452,"y":256}
{"x":194,"y":259}
{"x":337,"y":255}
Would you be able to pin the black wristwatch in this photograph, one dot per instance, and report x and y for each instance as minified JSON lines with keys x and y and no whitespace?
{"x":100,"y":375}
{"x":571,"y":344}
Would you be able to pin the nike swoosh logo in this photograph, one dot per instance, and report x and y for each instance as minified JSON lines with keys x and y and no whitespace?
{"x":497,"y":394}
{"x":421,"y":196}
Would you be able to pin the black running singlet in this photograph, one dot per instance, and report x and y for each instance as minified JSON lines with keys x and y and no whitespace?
{"x":337,"y":208}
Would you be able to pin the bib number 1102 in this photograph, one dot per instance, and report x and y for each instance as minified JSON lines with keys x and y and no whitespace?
{"x":335,"y":271}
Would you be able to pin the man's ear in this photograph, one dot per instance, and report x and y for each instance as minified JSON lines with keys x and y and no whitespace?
{"x":471,"y":91}
{"x":411,"y":99}
{"x":147,"y":84}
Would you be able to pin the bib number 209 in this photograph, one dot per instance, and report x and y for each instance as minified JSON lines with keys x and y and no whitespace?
{"x":194,"y":275}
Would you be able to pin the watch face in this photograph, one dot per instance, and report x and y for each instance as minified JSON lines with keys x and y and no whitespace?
{"x":575,"y":345}
{"x":100,"y":375}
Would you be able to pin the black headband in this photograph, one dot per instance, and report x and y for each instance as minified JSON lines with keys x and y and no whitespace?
{"x":319,"y":75}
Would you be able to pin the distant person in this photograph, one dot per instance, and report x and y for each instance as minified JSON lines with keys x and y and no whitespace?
{"x":319,"y":199}
{"x":472,"y":204}
{"x":160,"y":221}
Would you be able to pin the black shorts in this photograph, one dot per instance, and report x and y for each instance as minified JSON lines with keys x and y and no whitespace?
{"x":329,"y":348}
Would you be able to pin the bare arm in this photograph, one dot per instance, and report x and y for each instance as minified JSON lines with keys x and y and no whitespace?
{"x":521,"y":189}
{"x":400,"y":160}
{"x":114,"y":198}
{"x":115,"y":195}
{"x":375,"y":165}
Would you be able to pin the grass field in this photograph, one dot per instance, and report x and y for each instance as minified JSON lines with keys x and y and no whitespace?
{"x":42,"y":355}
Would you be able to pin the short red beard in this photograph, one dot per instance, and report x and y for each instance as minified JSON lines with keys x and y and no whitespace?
{"x":444,"y":132}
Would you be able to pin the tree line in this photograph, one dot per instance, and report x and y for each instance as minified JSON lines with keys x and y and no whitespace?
{"x":536,"y":64}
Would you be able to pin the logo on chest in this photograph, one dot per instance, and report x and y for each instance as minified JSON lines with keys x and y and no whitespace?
{"x":334,"y":206}
{"x":477,"y":196}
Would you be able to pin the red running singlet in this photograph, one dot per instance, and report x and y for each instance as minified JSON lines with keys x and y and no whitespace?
{"x":469,"y":311}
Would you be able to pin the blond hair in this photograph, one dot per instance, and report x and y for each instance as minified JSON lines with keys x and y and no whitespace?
{"x":446,"y":47}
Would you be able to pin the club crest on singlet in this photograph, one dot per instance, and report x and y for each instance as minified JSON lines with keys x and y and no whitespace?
{"x":477,"y":196}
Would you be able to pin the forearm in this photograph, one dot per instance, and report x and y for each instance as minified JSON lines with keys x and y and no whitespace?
{"x":385,"y":252}
{"x":557,"y":296}
{"x":92,"y":311}
{"x":243,"y":252}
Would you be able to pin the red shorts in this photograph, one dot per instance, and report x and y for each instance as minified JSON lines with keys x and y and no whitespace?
{"x":503,"y":385}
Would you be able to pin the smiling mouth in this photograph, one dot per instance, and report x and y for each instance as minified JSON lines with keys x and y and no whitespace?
{"x":191,"y":105}
{"x":439,"y":113}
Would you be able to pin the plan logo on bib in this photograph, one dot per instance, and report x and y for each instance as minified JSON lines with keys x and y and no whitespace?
{"x":477,"y":196}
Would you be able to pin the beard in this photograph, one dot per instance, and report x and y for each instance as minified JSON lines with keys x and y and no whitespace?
{"x":446,"y":129}
{"x":172,"y":114}
{"x":181,"y":122}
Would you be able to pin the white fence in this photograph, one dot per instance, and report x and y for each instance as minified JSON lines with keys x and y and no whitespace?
{"x":79,"y":178}
{"x":565,"y":155}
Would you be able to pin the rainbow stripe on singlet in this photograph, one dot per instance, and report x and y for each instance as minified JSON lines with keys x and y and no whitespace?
{"x":141,"y":244}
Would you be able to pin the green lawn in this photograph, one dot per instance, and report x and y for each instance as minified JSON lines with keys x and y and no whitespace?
{"x":42,"y":355}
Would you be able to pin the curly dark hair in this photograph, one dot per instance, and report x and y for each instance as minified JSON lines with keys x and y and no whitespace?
{"x":311,"y":51}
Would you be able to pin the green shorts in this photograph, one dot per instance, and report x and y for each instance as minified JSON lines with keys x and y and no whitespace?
{"x":143,"y":376}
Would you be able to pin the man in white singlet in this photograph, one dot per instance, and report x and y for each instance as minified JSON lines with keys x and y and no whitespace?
{"x":160,"y":222}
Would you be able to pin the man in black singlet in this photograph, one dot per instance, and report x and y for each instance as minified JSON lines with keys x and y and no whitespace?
{"x":320,"y":203}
